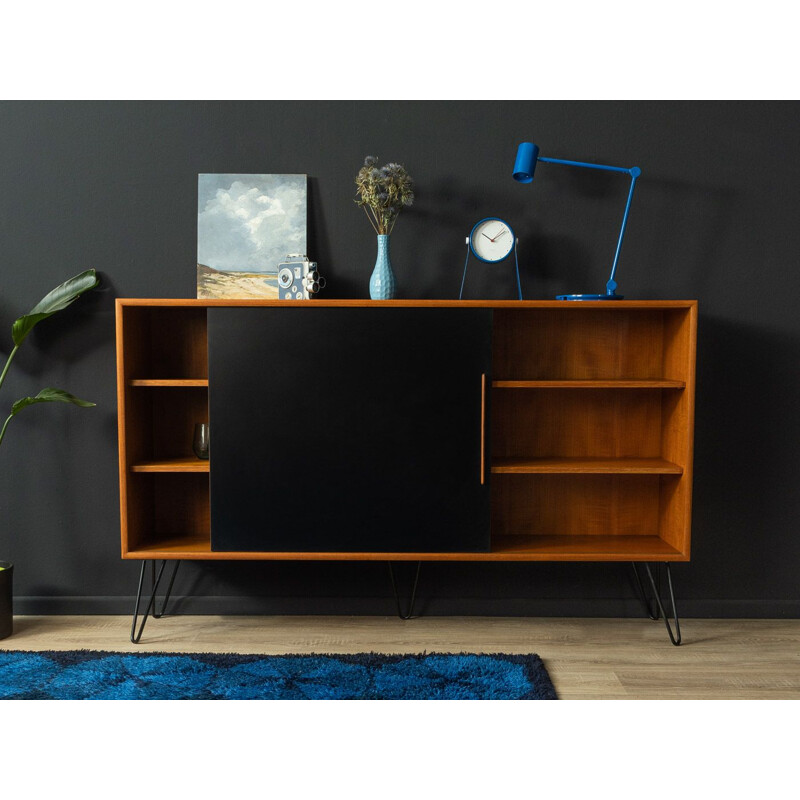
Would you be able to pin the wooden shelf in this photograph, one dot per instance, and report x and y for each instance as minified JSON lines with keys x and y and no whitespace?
{"x":183,"y":464}
{"x":173,"y":545}
{"x":585,"y":548}
{"x":504,"y":548}
{"x":590,"y":384}
{"x":181,"y":382}
{"x":588,"y":466}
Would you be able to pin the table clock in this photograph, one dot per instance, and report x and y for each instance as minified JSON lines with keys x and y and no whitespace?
{"x":491,"y":241}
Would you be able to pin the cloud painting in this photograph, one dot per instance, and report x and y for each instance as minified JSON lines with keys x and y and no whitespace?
{"x":246,"y":226}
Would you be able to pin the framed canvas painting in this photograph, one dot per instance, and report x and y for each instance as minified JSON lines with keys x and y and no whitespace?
{"x":246,"y":226}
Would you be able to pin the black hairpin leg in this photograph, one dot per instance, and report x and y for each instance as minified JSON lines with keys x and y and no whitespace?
{"x":400,"y":613}
{"x":136,"y":636}
{"x":675,"y":636}
{"x":169,"y":589}
{"x":653,"y":614}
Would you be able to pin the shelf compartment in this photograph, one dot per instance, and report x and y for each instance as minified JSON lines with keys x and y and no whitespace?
{"x":160,"y":504}
{"x":173,"y":545}
{"x":167,"y":382}
{"x":160,"y":423}
{"x":164,"y":342}
{"x":580,"y":504}
{"x":590,"y":384}
{"x":586,"y":466}
{"x":619,"y":343}
{"x":182,"y":464}
{"x":568,"y":424}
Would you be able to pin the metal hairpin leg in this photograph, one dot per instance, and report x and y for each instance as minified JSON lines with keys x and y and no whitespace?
{"x":413,"y":592}
{"x":650,"y":612}
{"x":151,"y":605}
{"x":675,"y":637}
{"x":169,"y":589}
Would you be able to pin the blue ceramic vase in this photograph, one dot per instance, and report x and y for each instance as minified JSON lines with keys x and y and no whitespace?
{"x":382,"y":283}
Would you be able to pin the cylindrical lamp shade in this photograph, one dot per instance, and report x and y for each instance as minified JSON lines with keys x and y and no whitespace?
{"x":525,"y":165}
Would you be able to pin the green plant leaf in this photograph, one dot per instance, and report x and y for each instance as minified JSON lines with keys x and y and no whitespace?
{"x":58,"y":299}
{"x":49,"y":395}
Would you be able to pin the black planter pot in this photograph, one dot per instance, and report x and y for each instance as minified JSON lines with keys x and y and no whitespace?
{"x":6,"y":595}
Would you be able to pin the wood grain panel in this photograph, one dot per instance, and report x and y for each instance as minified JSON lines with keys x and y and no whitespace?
{"x":590,"y":384}
{"x":170,"y":382}
{"x":160,"y":421}
{"x":184,"y":464}
{"x":599,"y":547}
{"x":137,"y":516}
{"x":505,"y":548}
{"x":166,"y":507}
{"x":574,"y":505}
{"x":514,"y":305}
{"x":557,"y":423}
{"x":558,"y":343}
{"x":585,"y":466}
{"x":133,"y":333}
{"x":677,"y":434}
{"x":163,"y":342}
{"x":181,"y":504}
{"x":175,"y":413}
{"x":178,"y":344}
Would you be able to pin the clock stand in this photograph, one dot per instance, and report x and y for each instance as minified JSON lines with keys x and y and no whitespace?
{"x":483,"y":243}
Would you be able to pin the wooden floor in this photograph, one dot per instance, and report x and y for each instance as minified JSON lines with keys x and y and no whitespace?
{"x":586,"y":658}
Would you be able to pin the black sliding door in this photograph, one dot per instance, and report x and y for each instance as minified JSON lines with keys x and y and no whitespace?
{"x":349,"y":429}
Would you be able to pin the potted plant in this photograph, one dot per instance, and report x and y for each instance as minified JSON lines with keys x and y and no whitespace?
{"x":54,"y":301}
{"x":382,"y":193}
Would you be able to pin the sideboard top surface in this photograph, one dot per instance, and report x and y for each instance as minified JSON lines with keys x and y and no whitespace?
{"x":609,"y":305}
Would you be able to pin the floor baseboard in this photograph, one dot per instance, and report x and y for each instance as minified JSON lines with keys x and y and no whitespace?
{"x":433,"y":606}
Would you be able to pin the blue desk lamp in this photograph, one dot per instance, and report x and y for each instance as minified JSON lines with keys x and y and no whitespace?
{"x":525,"y":166}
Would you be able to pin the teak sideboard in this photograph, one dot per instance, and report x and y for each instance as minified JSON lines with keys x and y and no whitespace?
{"x":407,"y":430}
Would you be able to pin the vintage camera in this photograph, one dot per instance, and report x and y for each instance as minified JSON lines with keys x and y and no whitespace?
{"x":298,"y":278}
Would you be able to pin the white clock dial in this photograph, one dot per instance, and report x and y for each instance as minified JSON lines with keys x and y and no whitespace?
{"x":492,"y":240}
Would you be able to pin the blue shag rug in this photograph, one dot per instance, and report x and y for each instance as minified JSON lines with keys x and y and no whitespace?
{"x":98,"y":675}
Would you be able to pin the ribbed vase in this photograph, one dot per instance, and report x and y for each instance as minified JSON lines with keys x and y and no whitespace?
{"x":382,"y":283}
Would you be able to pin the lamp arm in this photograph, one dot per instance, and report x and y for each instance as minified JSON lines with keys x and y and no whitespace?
{"x":634,"y":172}
{"x":611,"y":286}
{"x":630,"y":170}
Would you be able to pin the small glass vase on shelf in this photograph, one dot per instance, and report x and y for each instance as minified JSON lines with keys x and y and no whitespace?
{"x":382,"y":193}
{"x":201,"y":440}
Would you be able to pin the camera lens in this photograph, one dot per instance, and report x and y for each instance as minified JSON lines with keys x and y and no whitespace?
{"x":285,"y":278}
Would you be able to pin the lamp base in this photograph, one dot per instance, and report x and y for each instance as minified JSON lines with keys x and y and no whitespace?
{"x":590,"y":297}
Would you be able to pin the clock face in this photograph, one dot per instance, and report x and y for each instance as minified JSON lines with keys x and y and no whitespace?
{"x":492,"y":239}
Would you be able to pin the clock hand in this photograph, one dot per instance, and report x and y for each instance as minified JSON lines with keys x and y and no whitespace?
{"x":483,"y":234}
{"x":499,"y":234}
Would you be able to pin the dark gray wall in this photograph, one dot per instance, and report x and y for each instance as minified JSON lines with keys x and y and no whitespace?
{"x":113,"y":185}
